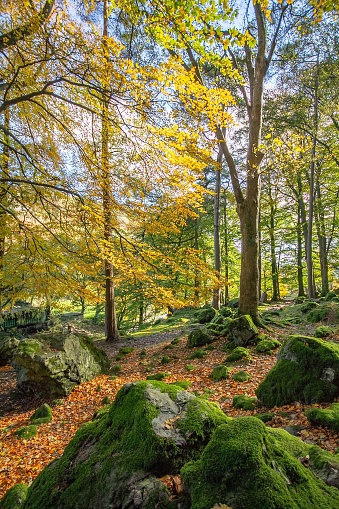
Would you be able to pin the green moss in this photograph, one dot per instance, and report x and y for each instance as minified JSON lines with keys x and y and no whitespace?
{"x":106,"y":400}
{"x":165,"y":360}
{"x":143,"y":353}
{"x":189,"y":367}
{"x":125,"y":350}
{"x":184,"y":384}
{"x":220,"y":373}
{"x":241,"y":376}
{"x":26,"y":432}
{"x":323,"y":331}
{"x":198,"y":354}
{"x":205,"y":315}
{"x":116,"y":368}
{"x":300,"y":373}
{"x":267,"y":345}
{"x":321,"y":312}
{"x":244,"y":468}
{"x":198,"y":337}
{"x":42,"y":415}
{"x":308,"y":306}
{"x":30,"y":347}
{"x":157,"y":376}
{"x":175,"y":341}
{"x":226,"y":312}
{"x":328,"y":417}
{"x":238,"y":353}
{"x":98,"y":354}
{"x":265,"y":416}
{"x":241,"y":401}
{"x":14,"y":497}
{"x":228,"y":347}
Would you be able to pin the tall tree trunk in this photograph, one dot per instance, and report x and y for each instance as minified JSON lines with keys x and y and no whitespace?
{"x":301,"y":289}
{"x":274,"y":265}
{"x":321,"y":232}
{"x":226,"y":257}
{"x":111,"y":325}
{"x":196,"y":273}
{"x":216,"y":236}
{"x":3,"y":199}
{"x":309,"y":259}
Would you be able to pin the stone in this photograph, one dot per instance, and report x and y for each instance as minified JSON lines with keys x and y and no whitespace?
{"x":14,"y":497}
{"x":307,"y":371}
{"x":242,"y":331}
{"x":116,"y":461}
{"x":205,"y":315}
{"x":42,"y":415}
{"x":198,"y":337}
{"x":52,"y":364}
{"x":8,"y":345}
{"x":245,"y":467}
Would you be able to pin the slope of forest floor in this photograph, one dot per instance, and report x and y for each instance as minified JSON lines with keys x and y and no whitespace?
{"x":21,"y":461}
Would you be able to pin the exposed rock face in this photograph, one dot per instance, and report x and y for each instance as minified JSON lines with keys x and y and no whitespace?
{"x":307,"y":371}
{"x":53,"y":364}
{"x":244,"y":467}
{"x":113,"y":463}
{"x":242,"y":331}
{"x":8,"y":346}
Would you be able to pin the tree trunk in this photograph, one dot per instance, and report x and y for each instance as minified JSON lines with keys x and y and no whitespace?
{"x":226,"y":262}
{"x":321,"y":232}
{"x":196,"y":273}
{"x":274,"y":265}
{"x":216,"y":236}
{"x":111,"y":325}
{"x":301,"y":289}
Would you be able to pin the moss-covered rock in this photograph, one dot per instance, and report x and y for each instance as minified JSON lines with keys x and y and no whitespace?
{"x":220,"y":373}
{"x":26,"y":432}
{"x":307,"y":370}
{"x":205,"y":315}
{"x":52,"y":364}
{"x":14,"y":497}
{"x":8,"y":345}
{"x":267,"y":345}
{"x":241,"y":376}
{"x":226,"y":312}
{"x":198,"y":337}
{"x":323,"y":331}
{"x":321,"y":312}
{"x":42,"y":415}
{"x":157,"y":376}
{"x":239,"y":353}
{"x":150,"y":429}
{"x":242,"y":330}
{"x":241,"y":401}
{"x":244,"y":468}
{"x":328,"y":417}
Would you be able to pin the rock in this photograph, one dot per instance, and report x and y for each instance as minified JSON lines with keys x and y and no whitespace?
{"x":267,"y":345}
{"x":241,"y":376}
{"x":243,"y":466}
{"x":328,"y":417}
{"x":8,"y":345}
{"x":307,"y":371}
{"x":198,"y":337}
{"x":242,"y":330}
{"x":53,"y":364}
{"x":238,"y":353}
{"x":26,"y":432}
{"x":14,"y":497}
{"x":205,"y":315}
{"x":114,"y":462}
{"x":241,"y":401}
{"x":220,"y":373}
{"x":42,"y":415}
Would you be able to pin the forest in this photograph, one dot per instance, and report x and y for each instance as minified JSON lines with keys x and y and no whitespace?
{"x":169,"y":183}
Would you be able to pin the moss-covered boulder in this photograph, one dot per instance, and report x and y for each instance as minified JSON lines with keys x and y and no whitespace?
{"x":52,"y":364}
{"x":150,"y":430}
{"x":26,"y":432}
{"x":220,"y":372}
{"x":8,"y":345}
{"x":241,"y":376}
{"x":328,"y":417}
{"x":307,"y":371}
{"x":267,"y":345}
{"x":239,"y":353}
{"x":42,"y":415}
{"x":241,"y":401}
{"x":198,"y":337}
{"x":244,"y":467}
{"x":14,"y":497}
{"x":206,"y":314}
{"x":242,"y":330}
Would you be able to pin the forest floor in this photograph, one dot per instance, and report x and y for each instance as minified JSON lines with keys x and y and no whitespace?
{"x":21,"y":461}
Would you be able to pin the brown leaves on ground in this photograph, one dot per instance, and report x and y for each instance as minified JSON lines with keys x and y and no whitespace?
{"x":21,"y":461}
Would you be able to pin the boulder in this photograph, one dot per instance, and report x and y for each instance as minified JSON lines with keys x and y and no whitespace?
{"x":242,"y":330}
{"x":244,"y":467}
{"x":52,"y":364}
{"x":198,"y":337}
{"x":205,"y":315}
{"x":8,"y":345}
{"x":115,"y":462}
{"x":307,"y":371}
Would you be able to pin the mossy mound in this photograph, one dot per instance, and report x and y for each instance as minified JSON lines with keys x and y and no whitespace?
{"x":26,"y":432}
{"x":14,"y":497}
{"x":42,"y":415}
{"x":328,"y":417}
{"x":239,"y":353}
{"x":157,"y":376}
{"x":321,"y":312}
{"x":150,"y":429}
{"x":267,"y":345}
{"x":244,"y":402}
{"x":241,"y":376}
{"x":323,"y":331}
{"x":205,"y":315}
{"x":226,"y":312}
{"x":242,"y":330}
{"x":220,"y":373}
{"x":244,"y":468}
{"x":307,"y":371}
{"x":198,"y":337}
